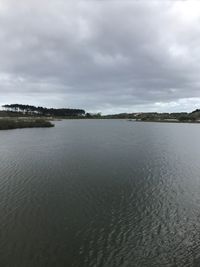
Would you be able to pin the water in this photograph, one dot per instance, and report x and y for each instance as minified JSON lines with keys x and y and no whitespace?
{"x":100,"y":193}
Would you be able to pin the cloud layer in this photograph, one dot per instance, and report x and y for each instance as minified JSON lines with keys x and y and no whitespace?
{"x":109,"y":56}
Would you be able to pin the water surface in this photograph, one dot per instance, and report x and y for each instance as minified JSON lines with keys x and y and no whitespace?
{"x":103,"y":193}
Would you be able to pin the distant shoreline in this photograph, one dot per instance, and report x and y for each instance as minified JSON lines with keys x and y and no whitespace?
{"x":168,"y":121}
{"x":21,"y":110}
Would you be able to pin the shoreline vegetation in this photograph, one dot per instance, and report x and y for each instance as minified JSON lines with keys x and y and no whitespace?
{"x":18,"y":123}
{"x":15,"y":116}
{"x":170,"y":121}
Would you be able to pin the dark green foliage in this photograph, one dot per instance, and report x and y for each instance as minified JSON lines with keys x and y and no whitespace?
{"x":6,"y":124}
{"x":32,"y":110}
{"x":183,"y":118}
{"x":196,"y":111}
{"x":88,"y":115}
{"x":120,"y":116}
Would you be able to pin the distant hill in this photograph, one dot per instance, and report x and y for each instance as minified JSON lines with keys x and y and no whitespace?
{"x":195,"y":114}
{"x":155,"y":116}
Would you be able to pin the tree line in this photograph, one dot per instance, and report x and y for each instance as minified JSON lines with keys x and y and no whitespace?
{"x":28,"y":109}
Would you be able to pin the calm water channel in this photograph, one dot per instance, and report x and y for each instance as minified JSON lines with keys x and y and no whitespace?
{"x":102,"y":193}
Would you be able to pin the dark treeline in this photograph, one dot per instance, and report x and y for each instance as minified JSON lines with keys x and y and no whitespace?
{"x":32,"y":110}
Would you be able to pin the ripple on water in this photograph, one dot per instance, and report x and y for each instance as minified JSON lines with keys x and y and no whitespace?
{"x":100,"y":193}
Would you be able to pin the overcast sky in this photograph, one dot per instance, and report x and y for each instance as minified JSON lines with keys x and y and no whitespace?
{"x":109,"y":56}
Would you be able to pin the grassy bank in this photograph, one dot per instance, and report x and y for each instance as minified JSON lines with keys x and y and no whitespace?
{"x":170,"y":121}
{"x":6,"y":124}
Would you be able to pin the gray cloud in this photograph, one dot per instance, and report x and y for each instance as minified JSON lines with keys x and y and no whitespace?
{"x":112,"y":56}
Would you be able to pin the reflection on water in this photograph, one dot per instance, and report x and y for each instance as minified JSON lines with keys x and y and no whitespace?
{"x":100,"y":193}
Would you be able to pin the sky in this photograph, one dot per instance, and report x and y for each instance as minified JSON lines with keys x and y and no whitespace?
{"x":106,"y":56}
